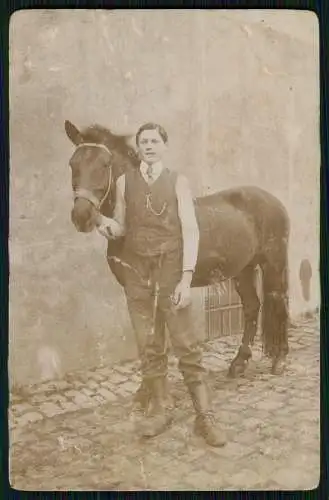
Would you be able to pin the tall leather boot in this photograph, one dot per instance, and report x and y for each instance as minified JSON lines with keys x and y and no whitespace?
{"x":159,"y":417}
{"x":205,"y":424}
{"x":142,"y":398}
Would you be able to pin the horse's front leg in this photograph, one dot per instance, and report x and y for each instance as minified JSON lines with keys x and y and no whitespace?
{"x":245,"y":286}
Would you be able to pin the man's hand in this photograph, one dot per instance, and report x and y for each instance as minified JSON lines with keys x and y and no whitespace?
{"x":103,"y":227}
{"x":182,"y":295}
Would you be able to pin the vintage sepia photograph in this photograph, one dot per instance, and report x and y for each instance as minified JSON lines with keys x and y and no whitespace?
{"x":164,"y":296}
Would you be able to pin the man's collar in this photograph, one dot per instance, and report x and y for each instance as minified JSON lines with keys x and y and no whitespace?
{"x":157,"y":166}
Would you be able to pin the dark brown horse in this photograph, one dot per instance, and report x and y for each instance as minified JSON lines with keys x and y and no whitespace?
{"x":240,"y":229}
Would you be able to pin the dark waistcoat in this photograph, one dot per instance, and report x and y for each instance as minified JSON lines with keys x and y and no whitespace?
{"x":152,"y":222}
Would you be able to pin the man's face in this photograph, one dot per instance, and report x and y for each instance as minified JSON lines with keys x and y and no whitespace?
{"x":151,"y":146}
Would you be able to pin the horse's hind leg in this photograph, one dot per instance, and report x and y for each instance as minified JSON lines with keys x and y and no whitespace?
{"x":246,"y":288}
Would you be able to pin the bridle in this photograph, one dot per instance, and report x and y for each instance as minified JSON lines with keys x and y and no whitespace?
{"x":86,"y":193}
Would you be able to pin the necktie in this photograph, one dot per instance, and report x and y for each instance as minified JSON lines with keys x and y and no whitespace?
{"x":149,"y":172}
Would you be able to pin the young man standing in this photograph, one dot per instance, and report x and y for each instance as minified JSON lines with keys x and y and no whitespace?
{"x":155,"y":211}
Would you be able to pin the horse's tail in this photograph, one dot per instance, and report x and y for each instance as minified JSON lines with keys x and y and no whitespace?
{"x":275,"y":307}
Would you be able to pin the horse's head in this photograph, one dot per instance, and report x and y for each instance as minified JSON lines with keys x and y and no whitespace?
{"x":100,"y":157}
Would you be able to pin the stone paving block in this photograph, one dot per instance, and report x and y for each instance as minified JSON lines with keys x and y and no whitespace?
{"x":77,"y":385}
{"x":79,"y":398}
{"x":87,"y":392}
{"x":268,"y":405}
{"x":226,"y":417}
{"x":130,"y":387}
{"x":175,"y":468}
{"x":211,"y":463}
{"x":95,"y":376}
{"x":202,"y":480}
{"x":210,"y":357}
{"x":182,"y":431}
{"x":193,"y":453}
{"x":57,"y":398}
{"x":69,"y":406}
{"x":113,"y":375}
{"x":301,"y":404}
{"x":230,"y":341}
{"x":311,"y":415}
{"x":274,"y":448}
{"x":215,"y":463}
{"x":233,"y":450}
{"x":18,"y":409}
{"x":172,"y":446}
{"x":135,"y":378}
{"x":126,"y":369}
{"x":264,"y":465}
{"x":307,"y":459}
{"x":99,"y":399}
{"x":62,"y":385}
{"x":132,"y":366}
{"x":41,"y":388}
{"x":18,"y":434}
{"x":231,"y":407}
{"x":108,"y":395}
{"x":246,"y":438}
{"x":121,"y":391}
{"x":91,"y":384}
{"x":294,"y":478}
{"x":221,"y":361}
{"x":245,"y":479}
{"x":28,"y":418}
{"x":214,"y":364}
{"x":245,"y":400}
{"x":116,"y":378}
{"x":36,"y":399}
{"x":50,"y":409}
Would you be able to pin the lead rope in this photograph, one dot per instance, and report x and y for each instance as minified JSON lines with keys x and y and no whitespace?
{"x":125,"y":264}
{"x":148,"y":282}
{"x":156,"y":296}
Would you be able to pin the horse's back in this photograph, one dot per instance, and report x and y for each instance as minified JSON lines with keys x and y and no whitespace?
{"x":262,"y":207}
{"x":241,"y":197}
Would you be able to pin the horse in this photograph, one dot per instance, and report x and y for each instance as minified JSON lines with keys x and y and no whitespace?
{"x":240,"y":228}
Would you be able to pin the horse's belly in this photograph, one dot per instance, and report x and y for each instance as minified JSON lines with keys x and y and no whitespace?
{"x":227,"y":244}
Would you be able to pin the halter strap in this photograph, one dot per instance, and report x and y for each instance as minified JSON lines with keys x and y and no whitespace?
{"x":94,"y":144}
{"x":85,"y":193}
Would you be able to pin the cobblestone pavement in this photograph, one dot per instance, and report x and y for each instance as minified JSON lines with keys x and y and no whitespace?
{"x":76,"y":434}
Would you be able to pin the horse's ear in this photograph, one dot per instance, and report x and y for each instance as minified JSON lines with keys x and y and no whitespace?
{"x":130,"y":141}
{"x":73,"y":133}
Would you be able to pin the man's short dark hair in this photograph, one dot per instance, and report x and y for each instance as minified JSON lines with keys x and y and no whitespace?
{"x":152,"y":126}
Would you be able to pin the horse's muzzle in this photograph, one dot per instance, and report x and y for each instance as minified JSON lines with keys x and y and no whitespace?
{"x":84,"y":215}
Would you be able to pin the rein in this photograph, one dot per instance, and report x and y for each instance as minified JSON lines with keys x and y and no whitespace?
{"x":85,"y":193}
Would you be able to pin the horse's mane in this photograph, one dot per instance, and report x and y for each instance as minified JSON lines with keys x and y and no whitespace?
{"x":115,"y":142}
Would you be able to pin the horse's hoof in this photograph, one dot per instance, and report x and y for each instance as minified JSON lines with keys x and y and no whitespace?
{"x":236,"y":369}
{"x":278,"y":367}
